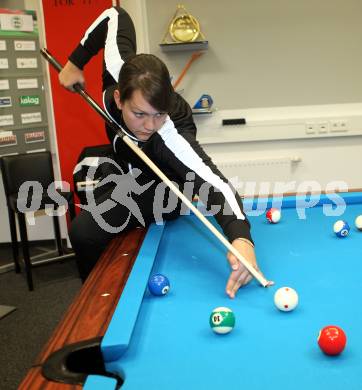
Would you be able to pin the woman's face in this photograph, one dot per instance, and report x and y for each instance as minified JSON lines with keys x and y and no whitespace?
{"x":139,"y":116}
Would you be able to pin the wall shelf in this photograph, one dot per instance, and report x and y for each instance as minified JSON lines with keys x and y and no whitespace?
{"x":184,"y":46}
{"x":202,"y":111}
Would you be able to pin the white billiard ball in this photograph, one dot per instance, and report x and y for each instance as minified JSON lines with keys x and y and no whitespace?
{"x":358,"y":222}
{"x":286,"y":299}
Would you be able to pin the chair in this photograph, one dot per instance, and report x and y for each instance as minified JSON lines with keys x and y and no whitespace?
{"x":17,"y":170}
{"x":91,"y":156}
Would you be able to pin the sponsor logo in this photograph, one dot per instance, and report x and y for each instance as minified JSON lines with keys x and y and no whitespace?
{"x":34,"y":136}
{"x":32,"y":117}
{"x":29,"y":100}
{"x":27,"y":83}
{"x":8,"y":140}
{"x":16,"y":22}
{"x":6,"y":120}
{"x":26,"y":63}
{"x":4,"y":63}
{"x":24,"y":45}
{"x":4,"y":84}
{"x":5,"y":101}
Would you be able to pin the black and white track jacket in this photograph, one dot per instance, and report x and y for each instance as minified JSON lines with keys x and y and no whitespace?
{"x":174,"y":148}
{"x":114,"y":31}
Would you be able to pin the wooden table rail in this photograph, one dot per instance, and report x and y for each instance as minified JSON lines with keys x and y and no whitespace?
{"x":91,"y":311}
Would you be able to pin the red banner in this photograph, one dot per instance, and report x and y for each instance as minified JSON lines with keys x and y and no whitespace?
{"x":77,"y":125}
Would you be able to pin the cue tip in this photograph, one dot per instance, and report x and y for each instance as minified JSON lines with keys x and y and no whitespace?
{"x":269,"y":283}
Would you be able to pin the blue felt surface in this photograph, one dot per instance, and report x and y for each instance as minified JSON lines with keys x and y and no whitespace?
{"x":100,"y":382}
{"x":172,"y":346}
{"x":120,"y":329}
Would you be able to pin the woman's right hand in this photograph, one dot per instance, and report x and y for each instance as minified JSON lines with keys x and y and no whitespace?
{"x":71,"y":75}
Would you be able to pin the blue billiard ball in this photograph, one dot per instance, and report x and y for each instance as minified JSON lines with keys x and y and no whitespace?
{"x":158,"y":284}
{"x":341,"y":228}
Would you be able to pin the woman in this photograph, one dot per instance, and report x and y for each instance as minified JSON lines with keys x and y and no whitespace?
{"x":160,"y":121}
{"x":140,"y":105}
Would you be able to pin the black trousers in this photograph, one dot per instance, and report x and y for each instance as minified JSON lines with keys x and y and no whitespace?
{"x":115,"y":208}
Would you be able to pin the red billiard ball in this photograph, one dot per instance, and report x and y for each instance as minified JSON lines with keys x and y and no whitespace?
{"x":332,"y":340}
{"x":273,"y":215}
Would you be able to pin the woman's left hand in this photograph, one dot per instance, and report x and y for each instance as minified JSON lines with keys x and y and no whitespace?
{"x":239,"y":275}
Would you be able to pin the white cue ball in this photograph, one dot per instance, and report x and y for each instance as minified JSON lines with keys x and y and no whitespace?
{"x":358,"y":222}
{"x":286,"y":299}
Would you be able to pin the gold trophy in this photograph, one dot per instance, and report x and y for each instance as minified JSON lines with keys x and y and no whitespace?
{"x":183,"y":31}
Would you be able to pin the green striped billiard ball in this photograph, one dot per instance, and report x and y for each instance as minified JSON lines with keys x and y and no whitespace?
{"x":222,"y":320}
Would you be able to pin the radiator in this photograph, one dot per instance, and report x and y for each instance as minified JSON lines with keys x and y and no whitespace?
{"x":258,"y":175}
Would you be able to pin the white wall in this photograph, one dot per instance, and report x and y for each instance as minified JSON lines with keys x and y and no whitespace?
{"x":268,"y":53}
{"x":277,"y":145}
{"x":137,"y":11}
{"x":324,"y":162}
{"x":273,"y":132}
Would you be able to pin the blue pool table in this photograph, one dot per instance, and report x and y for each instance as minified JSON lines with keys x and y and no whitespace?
{"x":167,"y":343}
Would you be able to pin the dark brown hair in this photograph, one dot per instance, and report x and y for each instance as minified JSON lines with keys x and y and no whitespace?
{"x":147,"y":73}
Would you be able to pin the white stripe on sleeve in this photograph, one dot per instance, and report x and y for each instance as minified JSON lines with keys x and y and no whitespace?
{"x":112,"y":57}
{"x":186,"y":154}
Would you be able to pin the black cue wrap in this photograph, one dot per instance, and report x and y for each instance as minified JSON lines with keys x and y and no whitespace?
{"x":80,"y":90}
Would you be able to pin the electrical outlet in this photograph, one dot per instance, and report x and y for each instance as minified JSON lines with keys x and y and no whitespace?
{"x":338,"y":125}
{"x":343,"y":124}
{"x":310,"y":128}
{"x":323,"y":127}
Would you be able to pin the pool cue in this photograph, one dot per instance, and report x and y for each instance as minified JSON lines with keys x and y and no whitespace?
{"x":194,"y":57}
{"x":120,"y":132}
